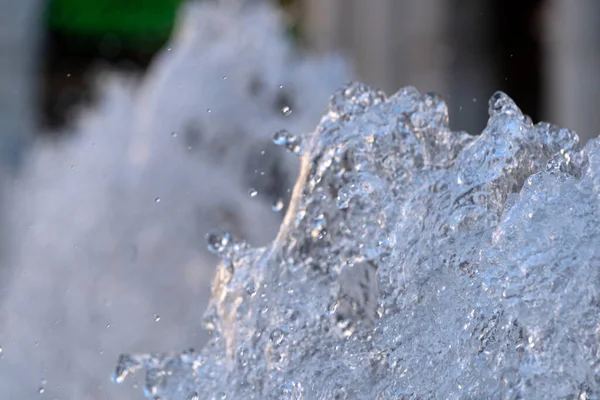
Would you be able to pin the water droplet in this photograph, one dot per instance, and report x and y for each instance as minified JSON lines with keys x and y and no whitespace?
{"x":225,"y":78}
{"x":208,"y":110}
{"x":156,"y":317}
{"x":281,"y":137}
{"x":174,"y":134}
{"x":278,"y":205}
{"x":285,"y":138}
{"x":286,"y":111}
{"x":253,"y":192}
{"x":42,"y":387}
{"x":125,"y":365}
{"x":157,"y":200}
{"x":72,"y":168}
{"x":195,"y":396}
{"x":218,"y":243}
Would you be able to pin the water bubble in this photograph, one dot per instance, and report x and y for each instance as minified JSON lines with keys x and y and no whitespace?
{"x":157,"y":200}
{"x":319,"y":229}
{"x":253,"y":192}
{"x":286,"y":111}
{"x":276,"y":336}
{"x":278,"y":205}
{"x":156,"y":317}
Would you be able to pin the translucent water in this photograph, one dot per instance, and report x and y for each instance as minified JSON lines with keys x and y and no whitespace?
{"x":413,"y":262}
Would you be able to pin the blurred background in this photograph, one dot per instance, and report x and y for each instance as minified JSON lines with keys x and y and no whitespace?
{"x":541,"y":52}
{"x":129,"y":129}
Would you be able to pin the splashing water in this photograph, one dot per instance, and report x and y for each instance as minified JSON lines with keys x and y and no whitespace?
{"x":413,"y":262}
{"x":109,"y":223}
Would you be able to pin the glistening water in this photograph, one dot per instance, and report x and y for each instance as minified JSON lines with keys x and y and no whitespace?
{"x":413,"y":262}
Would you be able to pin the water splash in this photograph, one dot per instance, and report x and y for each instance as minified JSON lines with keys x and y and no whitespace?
{"x":415,"y":262}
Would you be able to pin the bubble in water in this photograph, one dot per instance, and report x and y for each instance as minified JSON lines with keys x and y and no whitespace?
{"x":276,"y":336}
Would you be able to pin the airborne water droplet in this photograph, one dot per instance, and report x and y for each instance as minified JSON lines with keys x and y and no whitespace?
{"x":278,"y":205}
{"x":156,"y":317}
{"x":286,"y":111}
{"x":281,"y":137}
{"x":217,"y":243}
{"x":157,"y":200}
{"x":285,"y":138}
{"x":42,"y":387}
{"x":253,"y":192}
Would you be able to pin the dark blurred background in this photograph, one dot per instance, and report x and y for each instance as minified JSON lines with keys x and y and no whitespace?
{"x":543,"y":53}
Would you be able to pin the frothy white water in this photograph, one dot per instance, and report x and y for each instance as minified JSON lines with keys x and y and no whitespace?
{"x":110,"y":222}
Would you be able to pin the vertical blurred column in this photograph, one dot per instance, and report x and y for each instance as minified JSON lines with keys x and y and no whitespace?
{"x":472,"y":74}
{"x":20,"y":31}
{"x":435,"y":45}
{"x":572,"y":65}
{"x":392,"y":42}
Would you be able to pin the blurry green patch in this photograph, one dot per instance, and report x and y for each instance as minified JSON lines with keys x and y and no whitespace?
{"x":129,"y":20}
